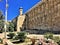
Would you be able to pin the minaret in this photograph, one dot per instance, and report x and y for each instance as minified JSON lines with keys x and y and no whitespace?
{"x":20,"y":19}
{"x":21,"y":10}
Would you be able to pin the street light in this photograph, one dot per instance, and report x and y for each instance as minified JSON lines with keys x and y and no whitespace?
{"x":6,"y":18}
{"x":5,"y":26}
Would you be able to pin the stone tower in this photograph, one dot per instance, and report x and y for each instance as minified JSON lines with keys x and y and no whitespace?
{"x":21,"y":10}
{"x":20,"y":19}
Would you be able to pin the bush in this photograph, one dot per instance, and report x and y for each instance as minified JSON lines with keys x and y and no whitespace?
{"x":56,"y":38}
{"x":1,"y":41}
{"x":1,"y":31}
{"x":21,"y":36}
{"x":48,"y":35}
{"x":11,"y":35}
{"x":27,"y":40}
{"x":11,"y":27}
{"x":58,"y":42}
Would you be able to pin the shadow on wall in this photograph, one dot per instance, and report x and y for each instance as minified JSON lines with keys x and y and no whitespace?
{"x":41,"y":31}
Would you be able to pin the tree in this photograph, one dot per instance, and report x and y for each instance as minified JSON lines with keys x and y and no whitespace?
{"x":1,"y":16}
{"x":1,"y":22}
{"x":11,"y":27}
{"x":1,"y":26}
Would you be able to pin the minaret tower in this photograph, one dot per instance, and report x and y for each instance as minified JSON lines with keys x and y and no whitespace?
{"x":21,"y":10}
{"x":20,"y":19}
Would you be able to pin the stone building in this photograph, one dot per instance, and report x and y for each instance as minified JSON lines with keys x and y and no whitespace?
{"x":44,"y":15}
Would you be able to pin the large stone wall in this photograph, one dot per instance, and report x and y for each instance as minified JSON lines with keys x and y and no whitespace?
{"x":45,"y":15}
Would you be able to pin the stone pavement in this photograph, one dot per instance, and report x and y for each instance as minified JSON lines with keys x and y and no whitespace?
{"x":9,"y":43}
{"x":30,"y":35}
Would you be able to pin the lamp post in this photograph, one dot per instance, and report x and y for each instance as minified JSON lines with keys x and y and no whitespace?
{"x":5,"y":26}
{"x":6,"y":18}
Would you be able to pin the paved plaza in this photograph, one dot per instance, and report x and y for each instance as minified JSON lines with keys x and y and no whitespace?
{"x":31,"y":36}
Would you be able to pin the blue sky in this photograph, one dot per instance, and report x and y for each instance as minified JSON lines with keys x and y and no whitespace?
{"x":14,"y":5}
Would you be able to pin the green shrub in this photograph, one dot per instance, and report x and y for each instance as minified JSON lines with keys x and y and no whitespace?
{"x":58,"y":42}
{"x":57,"y":39}
{"x":11,"y":35}
{"x":21,"y":36}
{"x":1,"y":31}
{"x":1,"y":41}
{"x":48,"y":35}
{"x":11,"y":27}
